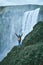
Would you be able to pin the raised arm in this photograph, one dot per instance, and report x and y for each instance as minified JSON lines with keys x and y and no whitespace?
{"x":16,"y":34}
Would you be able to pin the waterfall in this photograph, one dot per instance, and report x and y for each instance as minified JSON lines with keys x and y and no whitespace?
{"x":29,"y":20}
{"x":14,"y":21}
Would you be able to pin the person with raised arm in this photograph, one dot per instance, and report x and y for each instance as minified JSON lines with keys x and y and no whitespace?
{"x":19,"y":38}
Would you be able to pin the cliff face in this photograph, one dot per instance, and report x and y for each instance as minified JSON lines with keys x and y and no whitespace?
{"x":31,"y":50}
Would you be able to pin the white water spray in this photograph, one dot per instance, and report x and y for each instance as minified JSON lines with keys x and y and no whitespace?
{"x":29,"y":20}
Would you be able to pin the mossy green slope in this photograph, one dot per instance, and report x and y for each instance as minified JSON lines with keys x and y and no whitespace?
{"x":36,"y":35}
{"x":31,"y":51}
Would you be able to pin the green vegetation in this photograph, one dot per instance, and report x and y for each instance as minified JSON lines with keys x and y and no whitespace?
{"x":31,"y":50}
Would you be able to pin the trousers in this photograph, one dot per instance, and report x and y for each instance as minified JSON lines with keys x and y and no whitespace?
{"x":19,"y":43}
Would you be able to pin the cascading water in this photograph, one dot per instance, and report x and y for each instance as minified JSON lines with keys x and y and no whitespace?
{"x":29,"y":20}
{"x":18,"y":22}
